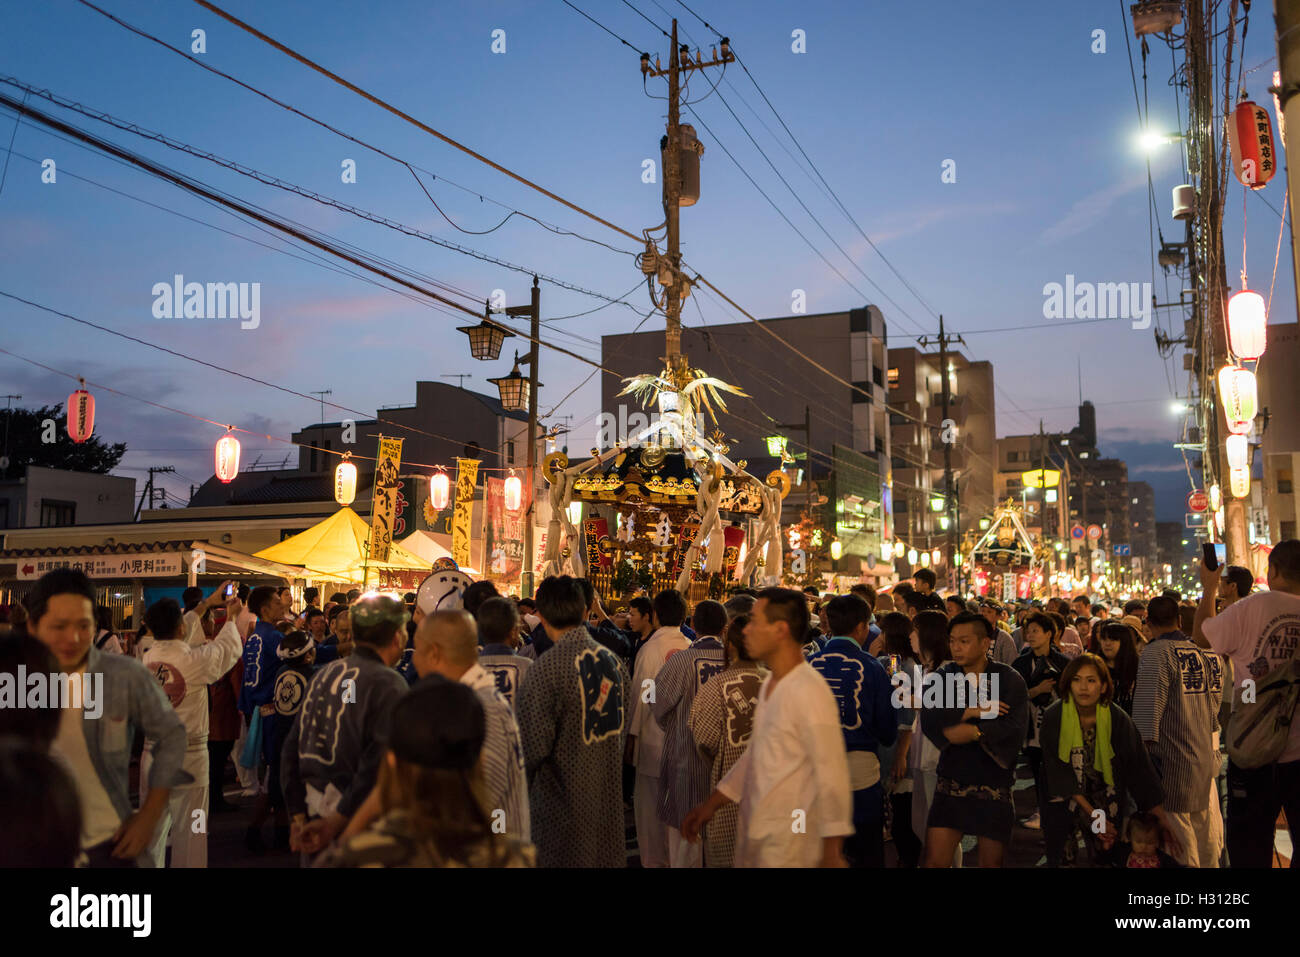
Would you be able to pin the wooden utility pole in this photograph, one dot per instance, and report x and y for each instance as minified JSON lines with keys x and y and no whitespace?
{"x":947,"y":439}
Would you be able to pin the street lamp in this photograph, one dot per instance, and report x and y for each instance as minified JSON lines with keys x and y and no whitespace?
{"x":513,"y":389}
{"x":485,"y":339}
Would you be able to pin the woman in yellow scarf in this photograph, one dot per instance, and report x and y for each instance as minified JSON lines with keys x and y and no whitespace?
{"x":1094,"y":759}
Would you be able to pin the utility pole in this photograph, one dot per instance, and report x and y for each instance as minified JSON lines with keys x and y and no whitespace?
{"x":678,"y":138}
{"x":534,"y":312}
{"x":4,"y":460}
{"x":149,"y":488}
{"x":949,"y":492}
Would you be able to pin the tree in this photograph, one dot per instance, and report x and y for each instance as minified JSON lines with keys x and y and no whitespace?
{"x":27,"y":428}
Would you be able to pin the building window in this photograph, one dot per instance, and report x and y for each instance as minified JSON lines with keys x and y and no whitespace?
{"x":1288,"y":530}
{"x":510,"y":453}
{"x":1013,"y":456}
{"x":893,"y":379}
{"x":1284,"y":487}
{"x":877,"y":377}
{"x":54,"y":513}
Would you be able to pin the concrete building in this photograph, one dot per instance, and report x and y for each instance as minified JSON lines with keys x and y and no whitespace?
{"x":916,"y":439}
{"x":44,"y":497}
{"x":1279,"y":396}
{"x":786,"y":397}
{"x":1142,"y":522}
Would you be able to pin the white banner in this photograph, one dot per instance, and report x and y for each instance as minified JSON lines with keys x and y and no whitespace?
{"x":137,"y":565}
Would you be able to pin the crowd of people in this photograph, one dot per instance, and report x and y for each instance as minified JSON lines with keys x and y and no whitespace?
{"x":777,"y":728}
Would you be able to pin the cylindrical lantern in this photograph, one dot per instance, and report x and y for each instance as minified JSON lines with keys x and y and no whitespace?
{"x":1218,"y":520}
{"x":227,"y":458}
{"x":1239,"y":396}
{"x":1250,"y":136}
{"x":836,"y":550}
{"x":514,"y":494}
{"x":81,"y":414}
{"x":575,"y":512}
{"x":899,"y":548}
{"x":911,"y":556}
{"x":1216,"y":497}
{"x":925,"y":559}
{"x":439,"y":490}
{"x":345,"y":483}
{"x":1238,"y":453}
{"x":936,"y":556}
{"x":1247,"y":325}
{"x":1239,"y":482}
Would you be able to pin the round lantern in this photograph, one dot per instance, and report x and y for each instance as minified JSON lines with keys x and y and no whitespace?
{"x":1247,"y":325}
{"x":514,"y":493}
{"x":1238,"y":453}
{"x":1239,"y":397}
{"x":439,"y":490}
{"x":1250,"y":136}
{"x":345,"y":483}
{"x":81,"y":414}
{"x":1239,"y":482}
{"x":227,"y":458}
{"x":836,"y":550}
{"x":899,"y":548}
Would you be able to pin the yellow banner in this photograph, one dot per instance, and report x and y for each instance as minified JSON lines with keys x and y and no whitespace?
{"x":383,"y":506}
{"x":466,"y":479}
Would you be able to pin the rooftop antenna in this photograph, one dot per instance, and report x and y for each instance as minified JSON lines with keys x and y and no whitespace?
{"x":458,"y":375}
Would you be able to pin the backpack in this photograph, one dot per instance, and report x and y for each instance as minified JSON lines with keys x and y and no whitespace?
{"x":1258,"y":731}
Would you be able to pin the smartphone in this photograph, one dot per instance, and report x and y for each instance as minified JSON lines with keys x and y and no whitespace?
{"x":1211,"y":556}
{"x":230,"y":591}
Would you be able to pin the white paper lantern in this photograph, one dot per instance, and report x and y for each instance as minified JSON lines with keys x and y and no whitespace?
{"x":439,"y":490}
{"x":345,"y":483}
{"x":1247,"y":325}
{"x":1239,"y":482}
{"x":1238,"y":453}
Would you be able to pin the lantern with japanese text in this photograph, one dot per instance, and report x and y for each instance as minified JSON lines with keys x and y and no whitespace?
{"x":1239,"y":482}
{"x":345,"y":482}
{"x":1239,"y":397}
{"x":1247,"y":325}
{"x":439,"y":490}
{"x":514,"y":493}
{"x":1250,"y":137}
{"x":227,"y":456}
{"x":81,"y":414}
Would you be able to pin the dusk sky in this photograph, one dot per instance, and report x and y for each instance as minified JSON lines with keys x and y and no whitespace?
{"x":1050,"y":182}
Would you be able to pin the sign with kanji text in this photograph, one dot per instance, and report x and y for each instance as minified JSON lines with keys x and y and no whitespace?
{"x":1197,"y":500}
{"x":137,"y":565}
{"x":384,"y":495}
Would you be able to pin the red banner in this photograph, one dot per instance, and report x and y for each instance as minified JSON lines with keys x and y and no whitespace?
{"x":733,"y":536}
{"x":594,"y":532}
{"x":503,"y":534}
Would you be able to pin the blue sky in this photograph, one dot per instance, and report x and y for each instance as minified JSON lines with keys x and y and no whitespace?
{"x":1049,"y":182}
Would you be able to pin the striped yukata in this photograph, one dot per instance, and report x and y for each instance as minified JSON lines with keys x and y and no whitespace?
{"x":502,"y":757}
{"x":572,"y":708}
{"x":721,"y":723}
{"x":1175,"y":707}
{"x":683,"y":772}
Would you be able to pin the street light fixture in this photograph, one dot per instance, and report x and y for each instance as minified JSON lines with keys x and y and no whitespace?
{"x":486,"y":338}
{"x":513,"y":388}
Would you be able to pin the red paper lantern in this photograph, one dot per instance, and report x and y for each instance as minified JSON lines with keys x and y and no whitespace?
{"x":227,"y":458}
{"x":514,"y":493}
{"x":1250,"y":136}
{"x":439,"y":490}
{"x":81,"y":414}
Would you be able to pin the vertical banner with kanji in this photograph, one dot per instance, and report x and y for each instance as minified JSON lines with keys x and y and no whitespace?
{"x":383,"y":502}
{"x":595,"y":531}
{"x":503,"y":535}
{"x":466,"y":480}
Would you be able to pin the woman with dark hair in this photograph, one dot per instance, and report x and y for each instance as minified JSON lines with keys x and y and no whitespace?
{"x":931,"y":629}
{"x":1117,"y":645}
{"x":899,"y":659}
{"x":1041,"y":664}
{"x":1094,"y":757}
{"x":721,"y":721}
{"x":431,"y":790}
{"x":106,"y":639}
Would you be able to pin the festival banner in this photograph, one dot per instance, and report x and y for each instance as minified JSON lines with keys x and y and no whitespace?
{"x":383,"y":500}
{"x":689,"y":531}
{"x":733,"y":536}
{"x":595,"y":531}
{"x":503,"y":535}
{"x":466,"y":481}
